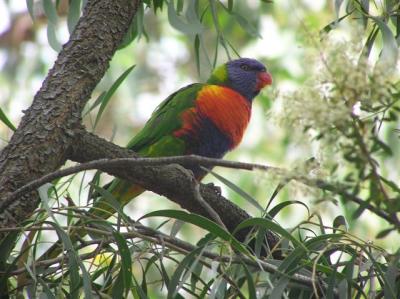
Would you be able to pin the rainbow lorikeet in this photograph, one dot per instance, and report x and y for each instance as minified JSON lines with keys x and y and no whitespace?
{"x":206,"y":119}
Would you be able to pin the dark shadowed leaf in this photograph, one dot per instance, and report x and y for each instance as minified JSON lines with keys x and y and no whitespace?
{"x":271,"y":226}
{"x":124,"y":278}
{"x":189,"y":262}
{"x":275,"y":210}
{"x":202,"y":222}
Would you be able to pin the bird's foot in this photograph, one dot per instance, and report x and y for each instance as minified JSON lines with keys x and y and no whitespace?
{"x":216,"y":188}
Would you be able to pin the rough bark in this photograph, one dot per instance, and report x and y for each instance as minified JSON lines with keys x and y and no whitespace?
{"x":172,"y":181}
{"x":46,"y":131}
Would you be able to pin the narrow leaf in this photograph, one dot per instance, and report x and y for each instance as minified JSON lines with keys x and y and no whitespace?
{"x":5,"y":120}
{"x":52,"y":37}
{"x":50,"y":11}
{"x":29,"y":5}
{"x":73,"y":14}
{"x":202,"y":222}
{"x":125,"y":274}
{"x":106,"y":99}
{"x":271,"y":226}
{"x":389,"y":54}
{"x":194,"y":27}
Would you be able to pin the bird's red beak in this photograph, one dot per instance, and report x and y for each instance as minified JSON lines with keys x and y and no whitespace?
{"x":263,"y":79}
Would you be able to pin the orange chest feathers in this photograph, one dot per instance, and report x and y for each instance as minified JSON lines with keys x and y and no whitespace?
{"x":225,"y":108}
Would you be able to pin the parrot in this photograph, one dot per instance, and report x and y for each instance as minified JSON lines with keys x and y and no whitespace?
{"x":206,"y":119}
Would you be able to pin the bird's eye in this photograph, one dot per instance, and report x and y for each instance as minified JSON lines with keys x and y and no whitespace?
{"x":245,"y":67}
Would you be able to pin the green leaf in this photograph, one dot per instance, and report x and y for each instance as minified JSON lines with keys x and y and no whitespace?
{"x":271,"y":226}
{"x":125,"y":275}
{"x":176,"y":227}
{"x":192,"y":28}
{"x":74,"y":13}
{"x":74,"y":263}
{"x":382,"y":234}
{"x":96,"y":103}
{"x":202,"y":222}
{"x":5,"y":120}
{"x":250,"y":282}
{"x":279,"y":287}
{"x":179,"y":6}
{"x":52,"y":37}
{"x":389,"y":54}
{"x":230,"y":5}
{"x":390,"y":288}
{"x":108,"y":199}
{"x":339,"y":223}
{"x":46,"y":289}
{"x":50,"y":11}
{"x":197,"y":52}
{"x":275,"y":210}
{"x":190,"y":259}
{"x":106,"y":99}
{"x":29,"y":5}
{"x":158,"y":4}
{"x":246,"y":25}
{"x":333,"y":24}
{"x":338,"y":4}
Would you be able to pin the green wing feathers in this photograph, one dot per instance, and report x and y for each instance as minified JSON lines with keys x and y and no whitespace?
{"x":154,"y":140}
{"x":165,"y":120}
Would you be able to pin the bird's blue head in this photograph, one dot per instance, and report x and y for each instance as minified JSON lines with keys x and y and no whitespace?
{"x":245,"y":75}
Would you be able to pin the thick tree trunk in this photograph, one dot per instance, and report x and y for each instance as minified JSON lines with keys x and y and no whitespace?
{"x":46,"y":132}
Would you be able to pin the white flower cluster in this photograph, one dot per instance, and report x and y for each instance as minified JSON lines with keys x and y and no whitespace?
{"x":342,"y":86}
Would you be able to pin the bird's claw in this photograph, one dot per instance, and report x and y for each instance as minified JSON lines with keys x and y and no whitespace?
{"x":216,"y":188}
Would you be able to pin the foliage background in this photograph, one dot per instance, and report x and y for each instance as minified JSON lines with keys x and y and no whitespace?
{"x":283,"y":34}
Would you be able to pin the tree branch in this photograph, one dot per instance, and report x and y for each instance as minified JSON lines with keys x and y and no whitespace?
{"x":172,"y":181}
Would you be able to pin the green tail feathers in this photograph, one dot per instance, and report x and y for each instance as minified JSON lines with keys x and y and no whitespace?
{"x":118,"y":190}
